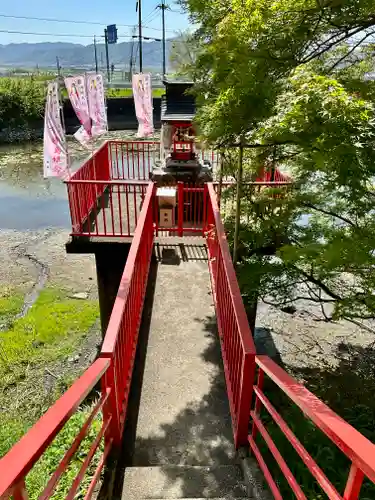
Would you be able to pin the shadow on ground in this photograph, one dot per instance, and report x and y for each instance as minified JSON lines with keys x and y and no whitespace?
{"x":174,"y":254}
{"x":200,"y":435}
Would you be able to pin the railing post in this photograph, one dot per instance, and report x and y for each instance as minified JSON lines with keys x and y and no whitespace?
{"x":205,"y":196}
{"x":258,"y":403}
{"x":244,"y":401}
{"x":19,"y":491}
{"x":155,"y":210}
{"x":112,"y":407}
{"x":354,"y":484}
{"x":109,"y":160}
{"x":180,"y":201}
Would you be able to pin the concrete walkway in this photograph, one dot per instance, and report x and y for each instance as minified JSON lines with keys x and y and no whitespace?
{"x":183,"y":446}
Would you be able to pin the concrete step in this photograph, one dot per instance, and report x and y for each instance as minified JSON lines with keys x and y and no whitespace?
{"x":182,"y":482}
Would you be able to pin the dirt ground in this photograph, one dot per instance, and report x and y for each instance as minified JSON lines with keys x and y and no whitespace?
{"x":28,"y":257}
{"x":302,"y":339}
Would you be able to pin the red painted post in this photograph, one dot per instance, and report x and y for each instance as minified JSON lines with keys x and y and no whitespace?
{"x":180,"y":201}
{"x":258,"y":403}
{"x":204,"y":215}
{"x":20,"y":492}
{"x":354,"y":484}
{"x":112,"y":407}
{"x":244,"y":402}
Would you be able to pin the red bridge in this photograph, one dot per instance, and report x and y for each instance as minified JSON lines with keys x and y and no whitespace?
{"x":172,"y":414}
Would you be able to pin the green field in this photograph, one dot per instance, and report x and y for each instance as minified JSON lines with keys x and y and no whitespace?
{"x":42,"y":79}
{"x":128,"y":93}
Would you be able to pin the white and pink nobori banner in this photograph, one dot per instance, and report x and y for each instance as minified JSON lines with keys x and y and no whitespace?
{"x":142,"y":92}
{"x":55,"y":154}
{"x":96,"y":103}
{"x":77,"y":92}
{"x":86,"y":93}
{"x":76,"y":87}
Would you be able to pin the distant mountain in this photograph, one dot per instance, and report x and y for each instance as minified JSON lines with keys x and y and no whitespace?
{"x":30,"y":55}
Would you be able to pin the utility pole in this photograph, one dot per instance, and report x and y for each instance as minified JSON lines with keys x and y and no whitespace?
{"x":96,"y":55}
{"x":106,"y":54}
{"x":163,"y":9}
{"x":139,"y":9}
{"x":58,"y":66}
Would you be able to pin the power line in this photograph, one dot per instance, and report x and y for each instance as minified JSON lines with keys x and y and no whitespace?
{"x":13,"y":32}
{"x":151,"y":19}
{"x":72,"y":21}
{"x":34,"y":33}
{"x":149,"y":15}
{"x":55,"y":20}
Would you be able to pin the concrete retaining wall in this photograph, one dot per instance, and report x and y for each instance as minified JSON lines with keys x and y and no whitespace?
{"x":121,"y":116}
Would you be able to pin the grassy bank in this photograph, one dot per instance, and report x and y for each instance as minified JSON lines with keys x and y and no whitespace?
{"x":44,"y":340}
{"x":129,"y":92}
{"x":50,"y":331}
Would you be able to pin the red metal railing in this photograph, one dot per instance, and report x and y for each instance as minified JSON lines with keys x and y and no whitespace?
{"x":116,"y":211}
{"x":113,"y":370}
{"x":105,"y":193}
{"x":115,"y":366}
{"x":226,"y":192}
{"x":133,"y":160}
{"x":23,"y":456}
{"x":120,"y":342}
{"x":359,"y":450}
{"x":237,"y":345}
{"x":189,"y":214}
{"x":83,"y":196}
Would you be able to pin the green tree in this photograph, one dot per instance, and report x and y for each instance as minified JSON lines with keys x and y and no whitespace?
{"x":289,"y":78}
{"x":21,"y":101}
{"x":183,"y":54}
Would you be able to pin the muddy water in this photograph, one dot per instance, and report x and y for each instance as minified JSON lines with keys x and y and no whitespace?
{"x":27,"y":201}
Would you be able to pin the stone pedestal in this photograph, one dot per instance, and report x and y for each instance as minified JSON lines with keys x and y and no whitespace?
{"x":167,"y":176}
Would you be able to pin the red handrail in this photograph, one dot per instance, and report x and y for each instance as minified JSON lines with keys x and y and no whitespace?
{"x":116,"y":210}
{"x":238,"y":348}
{"x":113,"y":369}
{"x":83,"y":197}
{"x":359,"y":450}
{"x":120,"y":341}
{"x":133,"y":159}
{"x":18,"y":462}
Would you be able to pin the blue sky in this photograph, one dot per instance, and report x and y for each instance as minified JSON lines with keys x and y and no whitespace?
{"x":120,"y":12}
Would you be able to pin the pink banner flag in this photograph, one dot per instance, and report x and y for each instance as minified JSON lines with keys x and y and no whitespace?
{"x":142,"y":92}
{"x":55,"y":154}
{"x":96,"y":101}
{"x":76,"y":87}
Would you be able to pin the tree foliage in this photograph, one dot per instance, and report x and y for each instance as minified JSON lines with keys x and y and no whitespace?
{"x":21,"y":101}
{"x":183,"y":54}
{"x":291,"y":78}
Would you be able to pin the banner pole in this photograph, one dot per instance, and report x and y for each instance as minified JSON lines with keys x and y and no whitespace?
{"x":61,"y":107}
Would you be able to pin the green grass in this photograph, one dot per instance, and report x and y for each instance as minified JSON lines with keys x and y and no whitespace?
{"x":51,"y":331}
{"x":10,"y":303}
{"x":13,"y":429}
{"x":113,"y":93}
{"x":38,"y":477}
{"x":129,"y":92}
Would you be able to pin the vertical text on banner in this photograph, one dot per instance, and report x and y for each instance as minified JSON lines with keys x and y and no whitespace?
{"x":142,"y":92}
{"x":55,"y":154}
{"x":96,"y":103}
